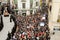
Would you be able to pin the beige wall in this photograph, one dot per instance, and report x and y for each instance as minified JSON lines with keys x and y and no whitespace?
{"x":54,"y":13}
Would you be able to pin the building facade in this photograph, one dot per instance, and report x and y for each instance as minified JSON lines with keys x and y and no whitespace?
{"x":24,"y":7}
{"x":27,"y":7}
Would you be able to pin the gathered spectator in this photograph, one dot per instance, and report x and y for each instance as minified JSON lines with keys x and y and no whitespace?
{"x":32,"y":27}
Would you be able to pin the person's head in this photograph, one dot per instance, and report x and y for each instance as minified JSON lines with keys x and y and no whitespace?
{"x":5,"y":11}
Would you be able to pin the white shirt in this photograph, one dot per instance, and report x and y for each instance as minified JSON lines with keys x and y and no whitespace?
{"x":7,"y":27}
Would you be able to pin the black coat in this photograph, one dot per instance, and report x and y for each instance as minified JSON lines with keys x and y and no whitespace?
{"x":1,"y":23}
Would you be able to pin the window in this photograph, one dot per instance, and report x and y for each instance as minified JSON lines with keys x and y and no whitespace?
{"x":15,"y":1}
{"x":31,"y":3}
{"x":23,"y":0}
{"x":36,"y":3}
{"x":31,"y":12}
{"x":23,"y":5}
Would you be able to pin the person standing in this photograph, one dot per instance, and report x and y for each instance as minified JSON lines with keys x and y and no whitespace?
{"x":7,"y":25}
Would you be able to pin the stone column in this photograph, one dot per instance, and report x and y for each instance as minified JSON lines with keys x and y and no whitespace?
{"x":19,"y":4}
{"x":33,"y":12}
{"x":34,"y":6}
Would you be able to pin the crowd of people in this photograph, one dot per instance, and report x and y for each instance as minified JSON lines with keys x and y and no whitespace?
{"x":32,"y":27}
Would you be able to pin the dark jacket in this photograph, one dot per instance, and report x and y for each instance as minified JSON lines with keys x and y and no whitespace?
{"x":1,"y":23}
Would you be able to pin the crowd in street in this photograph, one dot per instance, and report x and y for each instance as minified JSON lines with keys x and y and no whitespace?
{"x":32,"y":27}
